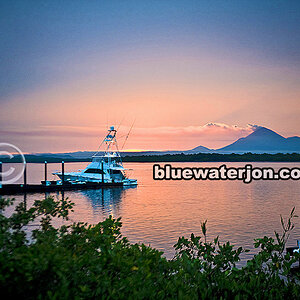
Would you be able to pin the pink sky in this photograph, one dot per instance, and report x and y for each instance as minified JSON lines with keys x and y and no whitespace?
{"x":172,"y":99}
{"x":72,"y":138}
{"x":172,"y":69}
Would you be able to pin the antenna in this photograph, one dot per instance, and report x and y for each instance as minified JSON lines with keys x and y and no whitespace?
{"x":120,"y":123}
{"x":128,"y":134}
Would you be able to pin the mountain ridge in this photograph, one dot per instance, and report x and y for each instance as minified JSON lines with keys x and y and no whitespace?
{"x":263,"y":140}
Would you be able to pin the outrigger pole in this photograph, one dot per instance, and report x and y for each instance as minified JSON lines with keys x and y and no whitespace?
{"x":128,"y":134}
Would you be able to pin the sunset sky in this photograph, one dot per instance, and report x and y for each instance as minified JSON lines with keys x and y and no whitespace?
{"x":189,"y":73}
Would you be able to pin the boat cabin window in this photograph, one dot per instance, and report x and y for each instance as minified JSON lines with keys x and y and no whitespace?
{"x":116,"y":172}
{"x":94,"y":171}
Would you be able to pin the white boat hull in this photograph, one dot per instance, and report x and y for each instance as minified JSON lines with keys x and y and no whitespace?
{"x":81,"y":178}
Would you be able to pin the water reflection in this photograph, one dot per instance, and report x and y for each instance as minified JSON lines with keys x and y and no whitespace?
{"x":106,"y":201}
{"x":25,"y":200}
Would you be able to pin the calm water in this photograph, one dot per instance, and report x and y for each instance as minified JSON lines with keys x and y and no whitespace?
{"x":158,"y":212}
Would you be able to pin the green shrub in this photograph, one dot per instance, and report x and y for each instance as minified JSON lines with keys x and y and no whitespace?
{"x":81,"y":261}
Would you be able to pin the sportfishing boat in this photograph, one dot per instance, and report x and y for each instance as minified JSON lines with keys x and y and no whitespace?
{"x":106,"y":166}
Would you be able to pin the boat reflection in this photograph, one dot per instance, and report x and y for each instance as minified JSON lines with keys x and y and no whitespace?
{"x":106,"y":201}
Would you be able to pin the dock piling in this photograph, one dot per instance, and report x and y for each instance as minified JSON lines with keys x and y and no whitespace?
{"x":46,"y":172}
{"x":102,"y":174}
{"x":0,"y":174}
{"x":63,"y":172}
{"x":25,"y":174}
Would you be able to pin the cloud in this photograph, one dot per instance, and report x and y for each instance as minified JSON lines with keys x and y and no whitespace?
{"x":254,"y":127}
{"x":207,"y":129}
{"x":212,"y":129}
{"x":212,"y":135}
{"x":53,"y":131}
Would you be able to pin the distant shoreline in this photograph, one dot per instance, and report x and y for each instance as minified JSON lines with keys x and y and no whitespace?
{"x":200,"y":157}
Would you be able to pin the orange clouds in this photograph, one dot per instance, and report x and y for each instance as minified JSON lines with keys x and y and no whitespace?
{"x":71,"y":138}
{"x":211,"y":135}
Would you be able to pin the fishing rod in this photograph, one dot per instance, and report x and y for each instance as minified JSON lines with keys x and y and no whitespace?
{"x":128,"y":134}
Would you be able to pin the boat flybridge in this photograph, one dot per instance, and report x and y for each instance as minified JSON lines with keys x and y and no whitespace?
{"x":106,"y":167}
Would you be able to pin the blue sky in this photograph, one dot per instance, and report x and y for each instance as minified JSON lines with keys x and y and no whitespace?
{"x":36,"y":34}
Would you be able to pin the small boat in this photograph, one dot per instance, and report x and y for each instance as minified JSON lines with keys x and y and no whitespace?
{"x":106,"y":166}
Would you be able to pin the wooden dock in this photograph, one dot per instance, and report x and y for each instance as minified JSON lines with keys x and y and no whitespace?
{"x":51,"y":186}
{"x":13,"y":189}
